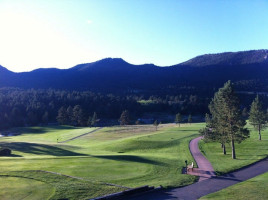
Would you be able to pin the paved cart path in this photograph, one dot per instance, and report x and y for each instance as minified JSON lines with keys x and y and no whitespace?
{"x":206,"y":185}
{"x":205,"y":169}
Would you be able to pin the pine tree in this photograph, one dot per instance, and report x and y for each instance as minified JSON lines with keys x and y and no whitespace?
{"x":62,"y":117}
{"x":70,"y":115}
{"x":89,"y":121}
{"x":78,"y":115}
{"x":178,"y":119}
{"x":190,"y":119}
{"x":226,"y":124}
{"x":207,"y":118}
{"x":45,"y":118}
{"x":124,"y":118}
{"x":156,"y":124}
{"x":257,"y":116}
{"x":94,"y":119}
{"x":245,"y":113}
{"x":210,"y":133}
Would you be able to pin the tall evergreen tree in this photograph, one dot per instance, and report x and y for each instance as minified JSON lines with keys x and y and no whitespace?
{"x":245,"y":113}
{"x":89,"y":121}
{"x":213,"y":133}
{"x":227,"y":123}
{"x":62,"y":117}
{"x":190,"y":119}
{"x":78,"y":115}
{"x":94,"y":119}
{"x":156,"y":124}
{"x":45,"y":118}
{"x":124,"y":118}
{"x":207,"y":118}
{"x":70,"y":115}
{"x":257,"y":116}
{"x":178,"y":119}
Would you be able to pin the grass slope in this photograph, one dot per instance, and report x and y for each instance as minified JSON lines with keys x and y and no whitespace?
{"x":48,"y":134}
{"x":255,"y":188}
{"x":130,"y":156}
{"x":23,"y":188}
{"x":247,"y":152}
{"x":62,"y":187}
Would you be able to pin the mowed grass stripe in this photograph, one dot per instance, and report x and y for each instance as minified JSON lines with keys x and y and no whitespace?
{"x":24,"y":188}
{"x":63,"y":187}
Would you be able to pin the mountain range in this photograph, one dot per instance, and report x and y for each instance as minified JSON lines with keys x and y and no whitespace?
{"x":247,"y":69}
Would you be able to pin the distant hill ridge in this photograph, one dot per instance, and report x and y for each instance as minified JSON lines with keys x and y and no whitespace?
{"x":229,"y":58}
{"x":116,"y":75}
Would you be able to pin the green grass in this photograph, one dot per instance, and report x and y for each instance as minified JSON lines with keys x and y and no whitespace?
{"x":247,"y":152}
{"x":130,"y":156}
{"x":41,"y":185}
{"x":23,"y":188}
{"x":255,"y":188}
{"x":146,"y":102}
{"x":48,"y":134}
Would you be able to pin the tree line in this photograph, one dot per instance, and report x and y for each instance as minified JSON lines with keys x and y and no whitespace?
{"x":20,"y":107}
{"x":75,"y":116}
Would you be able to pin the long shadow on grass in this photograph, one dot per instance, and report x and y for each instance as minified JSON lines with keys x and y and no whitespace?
{"x":148,"y":145}
{"x":12,"y":155}
{"x":130,"y":158}
{"x":189,"y":130}
{"x":39,"y":149}
{"x":41,"y":129}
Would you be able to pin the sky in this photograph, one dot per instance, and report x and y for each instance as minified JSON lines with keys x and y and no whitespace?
{"x":64,"y":33}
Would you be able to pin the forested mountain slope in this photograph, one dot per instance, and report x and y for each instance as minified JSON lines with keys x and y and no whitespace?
{"x":248,"y":69}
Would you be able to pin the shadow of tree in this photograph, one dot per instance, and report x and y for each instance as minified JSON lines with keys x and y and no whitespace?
{"x":12,"y":155}
{"x":41,"y":129}
{"x":146,"y":144}
{"x":39,"y":149}
{"x":130,"y":158}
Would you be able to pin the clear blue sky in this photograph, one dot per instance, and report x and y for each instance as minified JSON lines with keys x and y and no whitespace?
{"x":63,"y":33}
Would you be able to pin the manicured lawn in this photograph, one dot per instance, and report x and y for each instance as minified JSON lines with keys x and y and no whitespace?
{"x":247,"y":152}
{"x":40,"y":185}
{"x":23,"y":188}
{"x":255,"y":188}
{"x":129,"y":156}
{"x":48,"y":134}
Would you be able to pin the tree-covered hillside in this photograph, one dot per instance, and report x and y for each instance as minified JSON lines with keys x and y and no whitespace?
{"x":203,"y":74}
{"x":21,"y":107}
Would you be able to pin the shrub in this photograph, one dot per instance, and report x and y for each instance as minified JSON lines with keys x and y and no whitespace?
{"x":5,"y":152}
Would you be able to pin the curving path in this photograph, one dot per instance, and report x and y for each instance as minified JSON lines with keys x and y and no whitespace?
{"x":206,"y":185}
{"x":205,"y":169}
